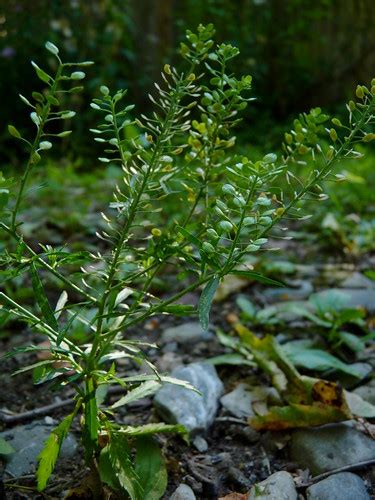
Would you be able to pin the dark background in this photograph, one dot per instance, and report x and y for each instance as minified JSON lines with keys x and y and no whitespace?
{"x":301,"y":53}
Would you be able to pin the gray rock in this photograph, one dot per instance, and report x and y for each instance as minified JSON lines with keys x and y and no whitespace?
{"x":187,"y":333}
{"x":357,"y":280}
{"x":179,"y":405}
{"x":329,"y":447}
{"x":28,"y":441}
{"x":183,"y":492}
{"x":342,"y":486}
{"x":200,"y":444}
{"x":355,"y":297}
{"x":279,"y":486}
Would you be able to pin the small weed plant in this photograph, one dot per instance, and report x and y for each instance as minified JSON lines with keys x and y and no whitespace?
{"x":187,"y":206}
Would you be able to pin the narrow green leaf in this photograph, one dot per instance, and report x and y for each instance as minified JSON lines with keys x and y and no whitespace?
{"x":49,"y":454}
{"x":257,"y":277}
{"x":316,"y":359}
{"x":41,"y":297}
{"x":190,"y":237}
{"x":159,"y":427}
{"x":146,"y":389}
{"x":150,"y":468}
{"x":42,"y":75}
{"x":205,"y":301}
{"x":230,"y":359}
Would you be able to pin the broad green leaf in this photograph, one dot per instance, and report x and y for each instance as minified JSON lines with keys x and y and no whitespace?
{"x":319,"y":360}
{"x":298,"y":415}
{"x":205,"y":301}
{"x":354,"y":342}
{"x":42,"y":299}
{"x":119,"y":454}
{"x":5,"y":448}
{"x":51,"y":450}
{"x":150,"y":468}
{"x":257,"y":277}
{"x":246,"y":306}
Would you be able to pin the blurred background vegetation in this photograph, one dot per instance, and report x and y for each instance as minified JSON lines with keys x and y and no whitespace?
{"x":301,"y":53}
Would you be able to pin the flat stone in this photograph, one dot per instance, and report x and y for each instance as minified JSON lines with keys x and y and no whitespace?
{"x":300,"y":290}
{"x":342,"y":486}
{"x":184,"y":406}
{"x":239,"y":401}
{"x":329,"y":447}
{"x":279,"y":486}
{"x":183,"y":492}
{"x":187,"y":333}
{"x":28,"y":441}
{"x":357,"y":280}
{"x":355,"y":297}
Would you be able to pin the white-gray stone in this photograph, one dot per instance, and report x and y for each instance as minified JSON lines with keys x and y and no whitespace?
{"x":298,"y":290}
{"x":342,"y":486}
{"x":28,"y":441}
{"x":184,"y":406}
{"x":183,"y":492}
{"x":239,"y":401}
{"x":279,"y":486}
{"x":329,"y":447}
{"x":187,"y":333}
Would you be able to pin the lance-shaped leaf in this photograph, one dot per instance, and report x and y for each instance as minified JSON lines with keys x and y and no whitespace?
{"x":51,"y":450}
{"x":205,"y":301}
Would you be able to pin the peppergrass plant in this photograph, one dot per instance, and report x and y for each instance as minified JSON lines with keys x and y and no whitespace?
{"x":188,"y":206}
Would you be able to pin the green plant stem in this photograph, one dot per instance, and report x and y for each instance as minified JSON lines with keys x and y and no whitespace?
{"x":43,"y":119}
{"x":318,"y":177}
{"x":159,"y":146}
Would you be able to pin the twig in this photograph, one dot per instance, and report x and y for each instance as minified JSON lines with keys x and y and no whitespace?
{"x":44,"y":410}
{"x":36,"y":412}
{"x":232,"y":420}
{"x":344,"y":468}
